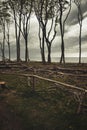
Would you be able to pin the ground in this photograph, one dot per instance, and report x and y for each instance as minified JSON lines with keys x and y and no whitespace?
{"x":49,"y":107}
{"x":8,"y":119}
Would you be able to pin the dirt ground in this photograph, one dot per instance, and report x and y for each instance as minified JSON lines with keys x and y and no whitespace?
{"x":9,"y":120}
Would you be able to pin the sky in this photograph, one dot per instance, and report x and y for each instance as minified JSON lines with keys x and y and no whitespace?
{"x":71,"y":37}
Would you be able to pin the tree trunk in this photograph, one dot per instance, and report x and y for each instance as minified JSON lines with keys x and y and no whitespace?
{"x":43,"y":53}
{"x":26,"y":49}
{"x":80,"y":19}
{"x":3,"y":47}
{"x":80,"y":43}
{"x":16,"y":35}
{"x":62,"y":59}
{"x":42,"y":41}
{"x":9,"y":52}
{"x":49,"y":54}
{"x":18,"y":49}
{"x":19,"y":34}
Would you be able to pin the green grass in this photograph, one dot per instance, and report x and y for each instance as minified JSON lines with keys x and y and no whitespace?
{"x":44,"y":109}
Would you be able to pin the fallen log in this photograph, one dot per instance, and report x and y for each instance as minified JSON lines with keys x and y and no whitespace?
{"x":3,"y":84}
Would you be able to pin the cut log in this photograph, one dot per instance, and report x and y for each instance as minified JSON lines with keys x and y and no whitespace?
{"x":3,"y":84}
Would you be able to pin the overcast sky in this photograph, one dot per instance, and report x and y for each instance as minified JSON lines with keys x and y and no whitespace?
{"x":71,"y":36}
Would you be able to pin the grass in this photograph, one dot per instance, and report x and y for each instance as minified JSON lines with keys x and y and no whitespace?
{"x":44,"y":109}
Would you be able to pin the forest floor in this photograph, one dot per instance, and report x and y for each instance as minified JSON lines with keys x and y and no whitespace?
{"x":47,"y":108}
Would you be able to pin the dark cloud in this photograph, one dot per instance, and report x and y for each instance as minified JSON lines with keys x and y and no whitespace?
{"x":73,"y":42}
{"x":72,"y":19}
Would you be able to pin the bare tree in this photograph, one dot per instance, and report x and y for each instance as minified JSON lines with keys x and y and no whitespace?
{"x":21,"y":11}
{"x":3,"y":46}
{"x":4,"y":15}
{"x":63,"y":6}
{"x":8,"y":37}
{"x":42,"y":44}
{"x":38,"y":8}
{"x":80,"y":19}
{"x":1,"y":50}
{"x":26,"y":13}
{"x":44,"y":10}
{"x":16,"y":8}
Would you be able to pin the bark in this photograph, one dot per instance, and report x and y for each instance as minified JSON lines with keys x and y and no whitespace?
{"x":80,"y":18}
{"x":9,"y":52}
{"x":80,"y":32}
{"x":42,"y":43}
{"x":17,"y":38}
{"x":49,"y":54}
{"x":62,"y":29}
{"x":44,"y":12}
{"x":26,"y":40}
{"x":17,"y":16}
{"x":3,"y":46}
{"x":26,"y":27}
{"x":62,"y":59}
{"x":80,"y":50}
{"x":26,"y":49}
{"x":1,"y":49}
{"x":43,"y":49}
{"x":8,"y":41}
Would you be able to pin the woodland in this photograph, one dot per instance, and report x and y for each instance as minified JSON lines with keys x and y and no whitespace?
{"x":19,"y":12}
{"x":40,"y":95}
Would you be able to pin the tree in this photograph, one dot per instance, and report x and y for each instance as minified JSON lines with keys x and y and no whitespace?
{"x":4,"y":15}
{"x":3,"y":44}
{"x":21,"y":11}
{"x":16,"y":10}
{"x":42,"y":44}
{"x":26,"y":13}
{"x":1,"y":49}
{"x":45,"y":13}
{"x":8,"y":37}
{"x":63,"y":6}
{"x":80,"y":19}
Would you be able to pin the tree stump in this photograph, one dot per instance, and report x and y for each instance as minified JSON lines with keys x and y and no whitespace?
{"x":2,"y":84}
